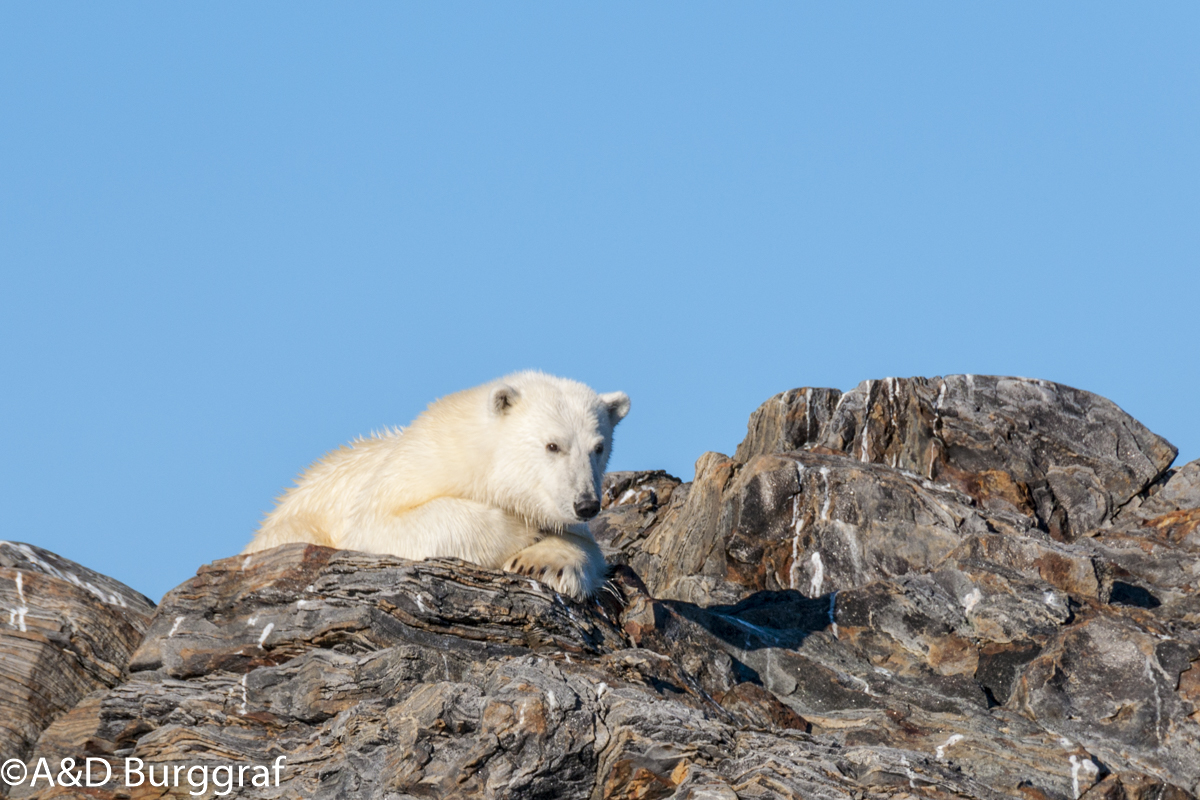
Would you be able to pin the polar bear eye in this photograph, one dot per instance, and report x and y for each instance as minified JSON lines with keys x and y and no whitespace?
{"x":598,"y":449}
{"x":552,"y":448}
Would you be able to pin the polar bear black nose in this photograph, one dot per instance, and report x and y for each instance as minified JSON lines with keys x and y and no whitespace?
{"x":587,"y":508}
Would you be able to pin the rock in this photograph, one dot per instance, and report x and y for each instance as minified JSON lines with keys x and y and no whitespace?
{"x":377,"y":677}
{"x":1175,"y":489}
{"x":801,"y":520}
{"x":752,"y":701}
{"x":1068,"y":456}
{"x":632,"y":503}
{"x":1134,"y":787}
{"x":69,"y":631}
{"x":968,"y":587}
{"x":788,"y":421}
{"x":956,"y":530}
{"x":1151,"y":547}
{"x":258,"y":610}
{"x":1111,"y":683}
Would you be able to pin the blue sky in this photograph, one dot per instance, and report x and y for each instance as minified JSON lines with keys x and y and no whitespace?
{"x":234,"y":236}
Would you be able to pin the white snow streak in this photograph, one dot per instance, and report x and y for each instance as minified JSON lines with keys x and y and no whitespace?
{"x":828,"y":497}
{"x":45,"y":566}
{"x":1079,"y":765}
{"x":941,"y":751}
{"x":971,"y":600}
{"x":17,"y":617}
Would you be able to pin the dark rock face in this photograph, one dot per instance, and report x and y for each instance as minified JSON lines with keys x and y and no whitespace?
{"x":962,"y":587}
{"x":69,"y":632}
{"x":378,"y":677}
{"x":1068,"y":456}
{"x":1004,"y":553}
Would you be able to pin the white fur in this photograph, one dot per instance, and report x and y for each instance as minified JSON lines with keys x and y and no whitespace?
{"x":471,"y":478}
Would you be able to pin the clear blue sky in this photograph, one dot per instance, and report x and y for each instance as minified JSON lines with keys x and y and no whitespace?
{"x":234,"y":236}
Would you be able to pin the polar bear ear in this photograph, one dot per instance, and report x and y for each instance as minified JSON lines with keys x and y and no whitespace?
{"x":617,"y":404}
{"x":502,"y":399}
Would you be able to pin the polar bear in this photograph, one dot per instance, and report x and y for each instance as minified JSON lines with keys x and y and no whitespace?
{"x":505,"y":475}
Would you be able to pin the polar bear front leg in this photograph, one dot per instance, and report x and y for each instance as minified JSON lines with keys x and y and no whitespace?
{"x":568,"y":562}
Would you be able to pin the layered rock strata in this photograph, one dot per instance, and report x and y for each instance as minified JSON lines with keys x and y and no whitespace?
{"x":953,"y":587}
{"x":68,"y":631}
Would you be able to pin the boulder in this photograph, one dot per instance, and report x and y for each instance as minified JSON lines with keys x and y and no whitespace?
{"x":1069,"y":457}
{"x":68,"y":632}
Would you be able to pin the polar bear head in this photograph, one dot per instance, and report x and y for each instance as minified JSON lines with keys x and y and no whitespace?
{"x":551,"y":440}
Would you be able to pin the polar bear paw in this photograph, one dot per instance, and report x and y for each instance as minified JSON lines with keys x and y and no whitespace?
{"x":567,"y":563}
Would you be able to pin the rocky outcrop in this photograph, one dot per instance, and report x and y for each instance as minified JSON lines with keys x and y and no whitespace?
{"x":377,"y":677}
{"x":962,"y":587}
{"x":69,"y":632}
{"x":1012,"y":555}
{"x":1068,"y":457}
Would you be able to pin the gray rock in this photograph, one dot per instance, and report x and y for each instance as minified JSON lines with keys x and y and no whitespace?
{"x":962,"y":587}
{"x":632,"y":503}
{"x":1175,"y":490}
{"x":68,"y":632}
{"x":802,"y":520}
{"x":788,"y":421}
{"x":377,"y":677}
{"x":1070,"y":457}
{"x":257,"y":610}
{"x":1151,"y":547}
{"x":1112,"y":684}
